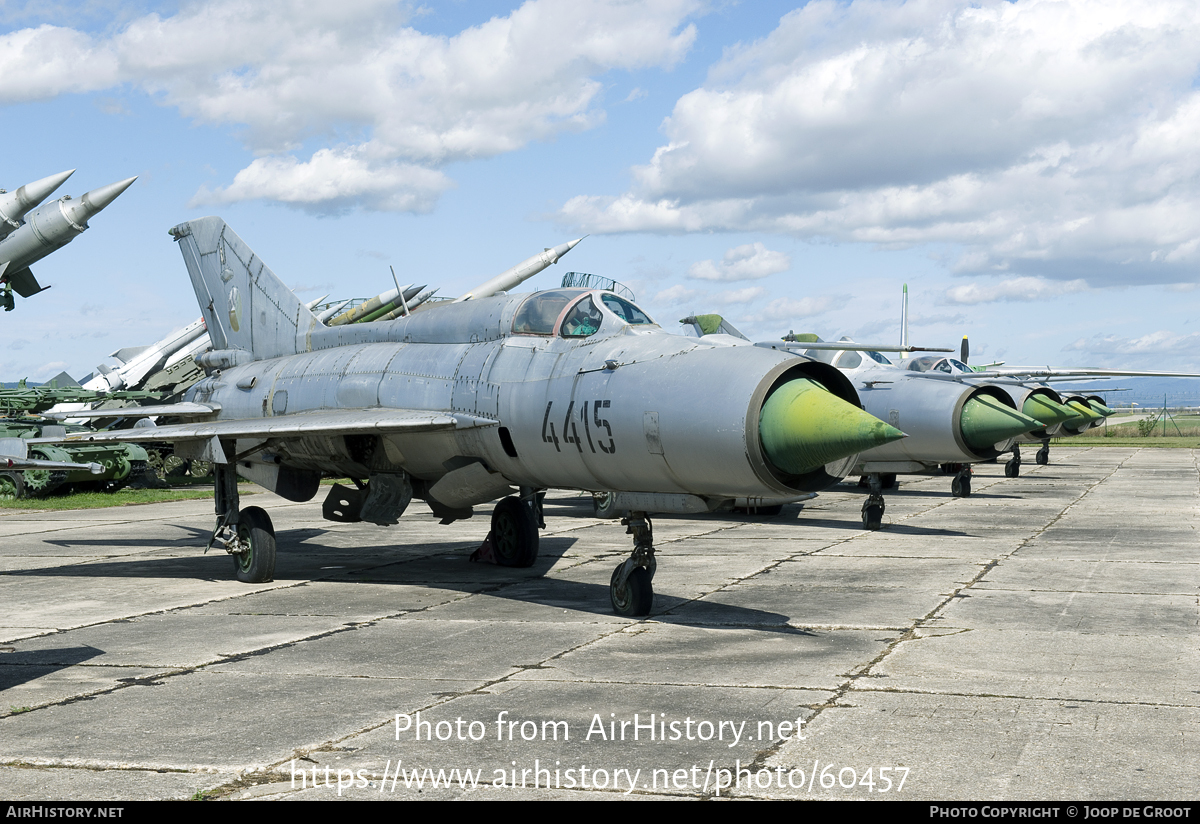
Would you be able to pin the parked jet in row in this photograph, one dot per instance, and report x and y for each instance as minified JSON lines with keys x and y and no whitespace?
{"x":954,"y":416}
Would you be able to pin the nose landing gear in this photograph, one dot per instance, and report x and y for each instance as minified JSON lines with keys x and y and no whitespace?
{"x":874,"y":506}
{"x":631,"y":589}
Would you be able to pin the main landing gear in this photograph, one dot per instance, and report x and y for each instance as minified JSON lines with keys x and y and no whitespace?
{"x":246,"y":534}
{"x":1013,"y":468}
{"x":515,"y":525}
{"x":631,"y":590}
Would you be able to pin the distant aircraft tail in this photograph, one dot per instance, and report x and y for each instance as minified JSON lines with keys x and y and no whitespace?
{"x":244,"y":304}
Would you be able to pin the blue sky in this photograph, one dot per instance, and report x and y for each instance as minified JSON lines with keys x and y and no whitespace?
{"x":1030,"y":169}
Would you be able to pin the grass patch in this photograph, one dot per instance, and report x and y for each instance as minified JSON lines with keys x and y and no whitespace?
{"x":1157,"y":442}
{"x":126,"y":497}
{"x":1182,"y":433}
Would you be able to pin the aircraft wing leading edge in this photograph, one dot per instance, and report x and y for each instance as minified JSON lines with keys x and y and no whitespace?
{"x":322,"y":422}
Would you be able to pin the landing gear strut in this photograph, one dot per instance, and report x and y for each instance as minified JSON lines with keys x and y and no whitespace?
{"x":873,"y":506}
{"x":1043,"y":454}
{"x":246,"y":534}
{"x":631,"y":589}
{"x":1013,"y":468}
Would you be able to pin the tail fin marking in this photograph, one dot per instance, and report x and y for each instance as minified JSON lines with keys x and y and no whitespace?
{"x":244,"y":304}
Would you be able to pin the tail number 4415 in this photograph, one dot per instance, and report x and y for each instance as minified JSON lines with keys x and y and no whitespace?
{"x":596,"y":430}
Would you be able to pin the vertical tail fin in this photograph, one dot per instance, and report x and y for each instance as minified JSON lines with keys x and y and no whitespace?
{"x":904,"y":322}
{"x":244,"y":304}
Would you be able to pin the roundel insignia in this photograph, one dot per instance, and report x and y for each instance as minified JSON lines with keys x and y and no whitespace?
{"x":235,"y":308}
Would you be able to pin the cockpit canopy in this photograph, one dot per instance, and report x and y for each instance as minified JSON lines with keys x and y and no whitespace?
{"x":574,"y":313}
{"x":848,"y":359}
{"x":932,"y":363}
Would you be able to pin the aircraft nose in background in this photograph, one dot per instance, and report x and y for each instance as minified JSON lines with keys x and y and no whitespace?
{"x":1084,"y":413}
{"x":985,"y":421}
{"x":1047,"y":410}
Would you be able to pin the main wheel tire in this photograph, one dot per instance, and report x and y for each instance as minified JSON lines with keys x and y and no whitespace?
{"x":872,"y":517}
{"x":1042,"y":457}
{"x":256,"y":566}
{"x":887,"y":480}
{"x":636,"y":597}
{"x":1012,"y":469}
{"x":12,"y":486}
{"x":514,"y":533}
{"x":961,"y":486}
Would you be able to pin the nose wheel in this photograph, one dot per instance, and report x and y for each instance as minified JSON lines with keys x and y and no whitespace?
{"x":873,"y":507}
{"x":960,"y":487}
{"x":631,"y":589}
{"x":1013,"y":468}
{"x":1043,"y":454}
{"x":635,"y":596}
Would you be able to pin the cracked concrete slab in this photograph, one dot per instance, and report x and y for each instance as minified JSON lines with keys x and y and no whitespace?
{"x":1035,"y":640}
{"x":963,"y":747}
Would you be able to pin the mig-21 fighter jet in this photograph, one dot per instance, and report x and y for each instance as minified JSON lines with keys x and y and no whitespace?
{"x":467,"y":401}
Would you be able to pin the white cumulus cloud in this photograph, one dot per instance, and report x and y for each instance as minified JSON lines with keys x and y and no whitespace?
{"x":1013,"y":289}
{"x":1158,"y":343}
{"x":386,"y":104}
{"x":750,"y":261}
{"x":736,"y":296}
{"x":333,"y":180}
{"x":785,"y":309}
{"x":1042,"y":138}
{"x":677,"y":294}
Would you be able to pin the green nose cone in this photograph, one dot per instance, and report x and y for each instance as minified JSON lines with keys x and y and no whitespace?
{"x":986,"y":420}
{"x":1099,"y":408}
{"x":1047,"y":410}
{"x":803,"y":426}
{"x":1086,"y":413}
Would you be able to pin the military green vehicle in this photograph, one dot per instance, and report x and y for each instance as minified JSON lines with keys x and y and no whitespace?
{"x":122,"y":463}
